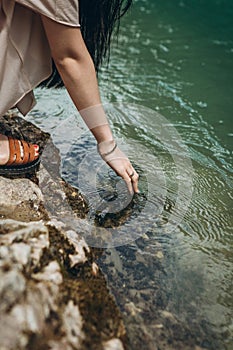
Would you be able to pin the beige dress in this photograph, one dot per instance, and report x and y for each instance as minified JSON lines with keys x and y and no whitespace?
{"x":25,"y":58}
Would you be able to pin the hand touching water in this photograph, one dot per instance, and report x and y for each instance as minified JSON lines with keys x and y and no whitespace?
{"x":120,"y":163}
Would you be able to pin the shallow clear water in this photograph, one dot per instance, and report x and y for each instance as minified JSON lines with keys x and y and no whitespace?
{"x":176,"y":58}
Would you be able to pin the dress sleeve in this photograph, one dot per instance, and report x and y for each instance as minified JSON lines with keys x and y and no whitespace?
{"x":61,"y":11}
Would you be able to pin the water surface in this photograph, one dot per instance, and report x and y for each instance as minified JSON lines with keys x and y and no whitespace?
{"x":174,"y":57}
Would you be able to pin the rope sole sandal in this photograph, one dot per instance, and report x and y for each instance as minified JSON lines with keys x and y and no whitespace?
{"x":23,"y":159}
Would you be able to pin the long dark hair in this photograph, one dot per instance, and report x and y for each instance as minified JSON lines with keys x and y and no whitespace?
{"x":98,"y":20}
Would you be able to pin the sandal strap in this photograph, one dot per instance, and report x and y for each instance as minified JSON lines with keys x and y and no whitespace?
{"x":21,"y":152}
{"x":15,"y":154}
{"x":30,"y":151}
{"x":25,"y":150}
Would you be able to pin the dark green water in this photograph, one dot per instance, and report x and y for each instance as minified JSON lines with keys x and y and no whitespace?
{"x":174,"y":57}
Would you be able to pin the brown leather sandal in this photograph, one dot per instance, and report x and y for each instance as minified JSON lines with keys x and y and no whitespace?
{"x":22,"y":159}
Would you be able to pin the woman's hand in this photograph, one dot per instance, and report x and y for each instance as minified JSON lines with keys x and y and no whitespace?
{"x":120,"y":163}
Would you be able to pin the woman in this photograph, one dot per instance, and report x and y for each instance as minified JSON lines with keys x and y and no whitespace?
{"x":76,"y":35}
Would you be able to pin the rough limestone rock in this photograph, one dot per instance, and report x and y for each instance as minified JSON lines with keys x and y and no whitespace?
{"x":52,"y":293}
{"x":19,"y":198}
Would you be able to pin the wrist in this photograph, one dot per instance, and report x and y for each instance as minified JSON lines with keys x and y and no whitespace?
{"x":102,"y":133}
{"x":106,"y":147}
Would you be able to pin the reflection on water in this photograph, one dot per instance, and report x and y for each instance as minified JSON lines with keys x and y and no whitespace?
{"x":174,"y":57}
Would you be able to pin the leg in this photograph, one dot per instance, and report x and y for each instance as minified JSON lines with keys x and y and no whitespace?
{"x":4,"y":149}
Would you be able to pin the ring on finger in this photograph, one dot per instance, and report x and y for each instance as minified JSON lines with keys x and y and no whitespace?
{"x":131,"y":175}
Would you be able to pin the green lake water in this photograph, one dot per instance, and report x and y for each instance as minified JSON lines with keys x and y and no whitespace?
{"x":174,"y":58}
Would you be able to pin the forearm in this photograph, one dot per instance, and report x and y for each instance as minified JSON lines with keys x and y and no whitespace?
{"x":78,"y":75}
{"x":80,"y":80}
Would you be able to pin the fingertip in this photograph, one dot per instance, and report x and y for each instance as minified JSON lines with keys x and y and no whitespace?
{"x":131,"y":190}
{"x":136,"y":189}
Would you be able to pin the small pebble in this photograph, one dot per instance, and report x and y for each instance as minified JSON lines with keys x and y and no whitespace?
{"x":113,"y":344}
{"x":95,"y":268}
{"x":159,"y":255}
{"x":158,"y":326}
